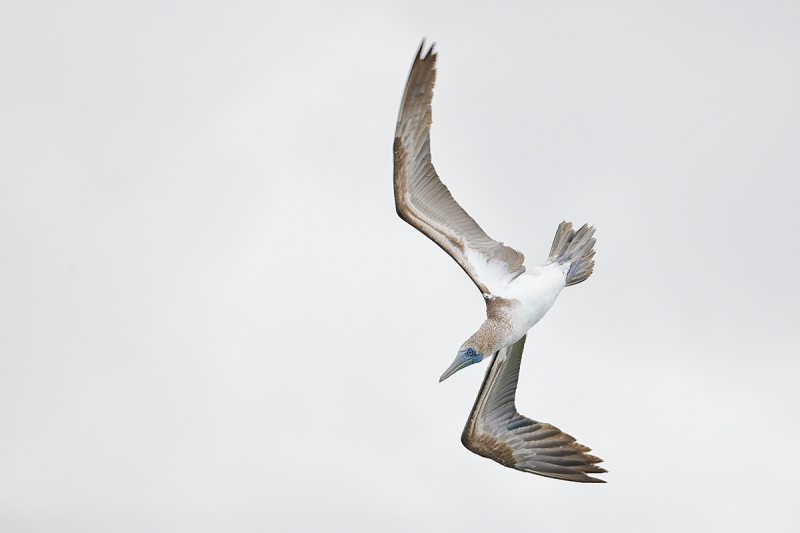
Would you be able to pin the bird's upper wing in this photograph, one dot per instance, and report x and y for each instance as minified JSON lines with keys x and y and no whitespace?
{"x":422,"y":199}
{"x":496,"y":430}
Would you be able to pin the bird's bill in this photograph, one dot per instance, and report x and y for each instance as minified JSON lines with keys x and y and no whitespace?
{"x":462,"y":360}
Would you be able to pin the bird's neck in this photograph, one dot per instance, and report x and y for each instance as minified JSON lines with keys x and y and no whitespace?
{"x":498,"y":330}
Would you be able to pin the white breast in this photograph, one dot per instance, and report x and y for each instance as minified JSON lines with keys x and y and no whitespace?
{"x":537,"y":291}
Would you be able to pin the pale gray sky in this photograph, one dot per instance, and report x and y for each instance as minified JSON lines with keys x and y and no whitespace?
{"x":211,"y":318}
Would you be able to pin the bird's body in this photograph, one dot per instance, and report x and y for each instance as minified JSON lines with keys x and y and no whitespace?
{"x":516,"y":298}
{"x":517,"y":307}
{"x":536,"y":291}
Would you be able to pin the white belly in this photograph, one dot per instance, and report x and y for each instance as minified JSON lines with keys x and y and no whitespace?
{"x":537,"y":291}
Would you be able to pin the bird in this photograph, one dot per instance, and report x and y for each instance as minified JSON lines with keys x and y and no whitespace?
{"x":516,"y":298}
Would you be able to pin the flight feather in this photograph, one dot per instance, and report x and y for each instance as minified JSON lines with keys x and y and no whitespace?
{"x":424,"y":201}
{"x":496,"y":430}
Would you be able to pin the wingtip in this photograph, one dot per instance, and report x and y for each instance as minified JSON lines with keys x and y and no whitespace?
{"x":429,"y":53}
{"x":590,"y":479}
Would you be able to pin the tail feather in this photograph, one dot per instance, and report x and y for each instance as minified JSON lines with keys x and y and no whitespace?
{"x":574,"y":247}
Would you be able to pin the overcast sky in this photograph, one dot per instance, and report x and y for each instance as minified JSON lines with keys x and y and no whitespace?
{"x":211,"y":318}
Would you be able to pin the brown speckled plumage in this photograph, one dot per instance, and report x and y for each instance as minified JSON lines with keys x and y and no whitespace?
{"x":421,"y":198}
{"x":496,"y":430}
{"x":515,"y":300}
{"x":496,"y":330}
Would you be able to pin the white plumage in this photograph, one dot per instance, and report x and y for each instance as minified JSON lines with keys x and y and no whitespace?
{"x":516,"y":299}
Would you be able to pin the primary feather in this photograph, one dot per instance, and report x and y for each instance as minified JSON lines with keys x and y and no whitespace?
{"x":422,"y":199}
{"x":496,"y":430}
{"x":516,"y":299}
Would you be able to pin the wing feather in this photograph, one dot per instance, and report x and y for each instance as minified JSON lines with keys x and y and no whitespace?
{"x":496,"y":430}
{"x":424,"y":201}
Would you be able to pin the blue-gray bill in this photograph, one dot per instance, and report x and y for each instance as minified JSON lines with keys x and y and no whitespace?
{"x":462,"y":360}
{"x":515,"y":299}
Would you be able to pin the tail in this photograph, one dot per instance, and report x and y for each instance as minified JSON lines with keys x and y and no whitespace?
{"x":574,"y":247}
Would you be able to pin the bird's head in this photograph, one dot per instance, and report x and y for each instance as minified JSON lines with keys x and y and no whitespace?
{"x":467,"y":355}
{"x":483,"y":343}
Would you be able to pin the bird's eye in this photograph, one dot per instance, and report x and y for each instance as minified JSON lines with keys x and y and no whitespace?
{"x":470,"y":352}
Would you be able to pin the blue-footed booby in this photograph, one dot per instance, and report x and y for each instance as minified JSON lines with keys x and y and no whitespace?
{"x":516,"y":298}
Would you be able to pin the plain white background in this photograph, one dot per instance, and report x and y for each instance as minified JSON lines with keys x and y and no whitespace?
{"x":211,"y":318}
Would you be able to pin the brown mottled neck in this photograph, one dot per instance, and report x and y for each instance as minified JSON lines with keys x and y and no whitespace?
{"x":496,"y":332}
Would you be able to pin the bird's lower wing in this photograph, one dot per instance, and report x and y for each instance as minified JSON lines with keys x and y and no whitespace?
{"x":496,"y":430}
{"x":424,"y":201}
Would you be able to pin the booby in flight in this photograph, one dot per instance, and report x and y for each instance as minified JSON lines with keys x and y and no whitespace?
{"x":516,"y":299}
